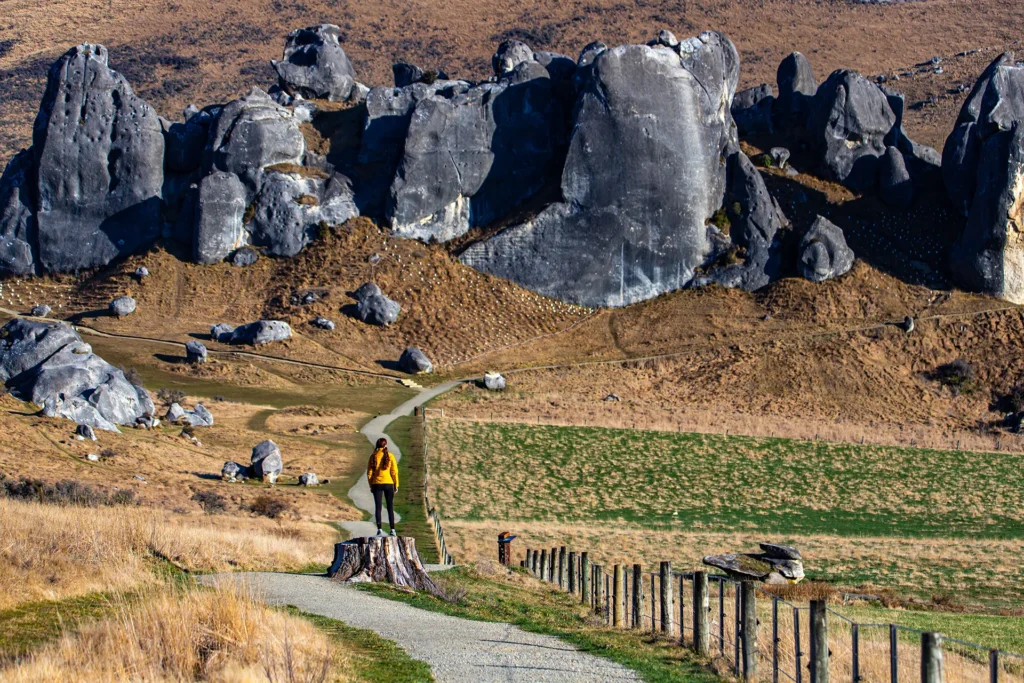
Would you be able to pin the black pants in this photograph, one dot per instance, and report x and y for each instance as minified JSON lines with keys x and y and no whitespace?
{"x":388,"y":492}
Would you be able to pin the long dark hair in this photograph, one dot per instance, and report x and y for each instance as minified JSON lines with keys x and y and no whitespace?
{"x":385,"y":462}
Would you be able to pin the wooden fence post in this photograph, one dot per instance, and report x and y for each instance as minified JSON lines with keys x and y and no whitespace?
{"x":573,"y":568}
{"x":701,"y":607}
{"x":667,"y":612}
{"x":585,"y":597}
{"x":529,"y":559}
{"x":542,"y":569}
{"x":534,"y":561}
{"x":749,"y":598}
{"x":553,"y":565}
{"x":819,"y":642}
{"x":561,"y":568}
{"x":598,"y":585}
{"x":618,"y":599}
{"x":638,"y":596}
{"x":933,"y":669}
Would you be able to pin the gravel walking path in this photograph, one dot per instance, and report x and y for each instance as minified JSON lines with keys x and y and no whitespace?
{"x":456,"y":649}
{"x":374,"y":429}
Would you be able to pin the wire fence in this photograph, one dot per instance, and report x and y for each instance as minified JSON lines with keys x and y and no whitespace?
{"x":432,"y":513}
{"x":753,"y":634}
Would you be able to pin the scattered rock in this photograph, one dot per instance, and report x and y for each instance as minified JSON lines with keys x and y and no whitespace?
{"x":308,"y":479}
{"x":246,"y":256}
{"x":195,"y":352}
{"x":174,"y":413}
{"x":907,"y":325}
{"x":612,"y":397}
{"x":494,"y":381}
{"x":122,"y":306}
{"x":366,"y":289}
{"x":415,"y":362}
{"x":92,"y":457}
{"x":315,"y":66}
{"x":261,"y":332}
{"x":86,"y":432}
{"x":377,"y":309}
{"x":197,"y":417}
{"x":141,"y":272}
{"x":147,"y":422}
{"x":266,"y":461}
{"x":509,"y":55}
{"x":324,"y":323}
{"x":40,"y":311}
{"x":779,"y":156}
{"x":222,"y":332}
{"x":823,"y":252}
{"x":232,"y":471}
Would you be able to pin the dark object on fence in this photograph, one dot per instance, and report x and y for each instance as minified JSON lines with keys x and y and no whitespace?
{"x":416,"y":411}
{"x":585,"y":570}
{"x":638,"y":596}
{"x":819,"y":642}
{"x":932,"y":668}
{"x":701,"y":607}
{"x":505,"y":548}
{"x":748,"y":591}
{"x":619,"y":597}
{"x":666,"y":598}
{"x":381,"y":559}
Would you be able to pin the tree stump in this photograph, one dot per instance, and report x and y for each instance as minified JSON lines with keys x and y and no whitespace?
{"x":381,"y":559}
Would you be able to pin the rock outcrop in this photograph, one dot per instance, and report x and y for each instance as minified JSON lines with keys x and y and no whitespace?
{"x":494,"y":381}
{"x":195,"y":352}
{"x":49,"y":365}
{"x":309,"y":479}
{"x":415,"y":362}
{"x":314,"y":64}
{"x":122,"y":306}
{"x":643,"y":175}
{"x":18,"y":234}
{"x":983,"y":169}
{"x":259,"y":333}
{"x":797,"y":86}
{"x":266,"y":462}
{"x":776,"y":564}
{"x":752,"y":110}
{"x":823,"y":251}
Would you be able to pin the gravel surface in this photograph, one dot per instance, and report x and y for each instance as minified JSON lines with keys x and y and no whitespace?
{"x":456,"y":649}
{"x":374,"y":429}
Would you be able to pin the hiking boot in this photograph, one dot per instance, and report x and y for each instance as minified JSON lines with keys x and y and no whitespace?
{"x":379,"y":532}
{"x":394,"y":533}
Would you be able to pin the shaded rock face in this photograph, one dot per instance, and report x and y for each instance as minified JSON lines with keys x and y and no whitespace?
{"x":824,"y":253}
{"x":49,"y":365}
{"x":797,"y":85}
{"x":220,"y":208}
{"x":232,"y":471}
{"x":290,"y":209}
{"x":266,"y":461}
{"x":895,"y":186}
{"x":18,"y":235}
{"x":99,"y":155}
{"x":643,"y":175}
{"x":314,"y":64}
{"x":849,"y":121}
{"x":752,"y":110}
{"x":415,"y":362}
{"x":469,"y":158}
{"x":983,"y":170}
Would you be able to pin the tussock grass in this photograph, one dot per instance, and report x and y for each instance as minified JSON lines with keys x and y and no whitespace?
{"x":49,"y":552}
{"x":225,"y":634}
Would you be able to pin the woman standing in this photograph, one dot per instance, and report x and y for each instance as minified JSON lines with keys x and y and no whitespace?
{"x":382,"y":471}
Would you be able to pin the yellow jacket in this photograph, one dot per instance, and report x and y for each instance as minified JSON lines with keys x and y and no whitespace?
{"x":377,"y":474}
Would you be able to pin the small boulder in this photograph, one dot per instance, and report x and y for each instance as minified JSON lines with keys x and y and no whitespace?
{"x":509,"y":55}
{"x":200,"y":416}
{"x":779,"y":156}
{"x":195,"y":352}
{"x":823,"y":251}
{"x":324,"y":323}
{"x":667,"y":38}
{"x":493,"y":381}
{"x":86,"y":432}
{"x":261,"y":332}
{"x":122,"y":306}
{"x":415,"y":362}
{"x":174,"y":413}
{"x":366,"y":289}
{"x":232,"y":471}
{"x":246,"y":256}
{"x":377,"y":309}
{"x":314,"y":64}
{"x":266,"y":461}
{"x":141,"y":272}
{"x":221,"y":332}
{"x":40,"y":311}
{"x":309,"y":479}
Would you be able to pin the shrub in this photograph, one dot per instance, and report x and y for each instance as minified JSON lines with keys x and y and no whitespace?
{"x":64,"y":492}
{"x":169,"y":396}
{"x":107,"y":453}
{"x":211,"y":502}
{"x":1015,"y":399}
{"x":266,"y":505}
{"x":958,"y":375}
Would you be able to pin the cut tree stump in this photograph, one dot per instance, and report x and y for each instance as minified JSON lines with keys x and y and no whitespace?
{"x":381,"y":559}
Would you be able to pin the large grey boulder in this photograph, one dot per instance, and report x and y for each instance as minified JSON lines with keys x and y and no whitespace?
{"x":220,"y":209}
{"x":494,"y":381}
{"x":122,"y":306}
{"x":40,"y":311}
{"x":314,"y":64}
{"x":469,"y":158}
{"x":895,"y":186}
{"x":377,"y":309}
{"x":261,"y":332}
{"x":99,"y":158}
{"x":415,"y":362}
{"x":290,"y":208}
{"x":823,"y":252}
{"x":643,"y":175}
{"x":25,"y":344}
{"x":174,"y":413}
{"x":197,"y":417}
{"x":752,"y":110}
{"x":983,"y":169}
{"x":755,"y":221}
{"x":797,"y":86}
{"x":366,"y":289}
{"x":309,"y":479}
{"x":509,"y":55}
{"x":266,"y":461}
{"x":221,"y":332}
{"x":18,"y":235}
{"x":849,"y":121}
{"x":195,"y":352}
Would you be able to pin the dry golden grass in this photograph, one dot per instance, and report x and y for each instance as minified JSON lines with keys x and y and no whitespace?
{"x":50,"y":552}
{"x":221,"y":635}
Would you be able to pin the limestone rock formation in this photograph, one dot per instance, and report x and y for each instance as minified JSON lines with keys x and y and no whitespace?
{"x":778,"y":564}
{"x":197,"y":417}
{"x":895,"y":186}
{"x":221,"y":332}
{"x":823,"y":251}
{"x":220,"y":208}
{"x":266,"y":461}
{"x":643,"y":175}
{"x":309,"y":479}
{"x":797,"y":86}
{"x":49,"y":365}
{"x":40,"y":311}
{"x":983,"y":169}
{"x":195,"y":352}
{"x":246,"y":256}
{"x":314,"y":64}
{"x":377,"y":309}
{"x":18,"y":234}
{"x":752,"y":110}
{"x":232,"y":471}
{"x":324,"y":323}
{"x":99,"y":162}
{"x":493,"y":381}
{"x":261,"y":332}
{"x":122,"y":306}
{"x":415,"y":362}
